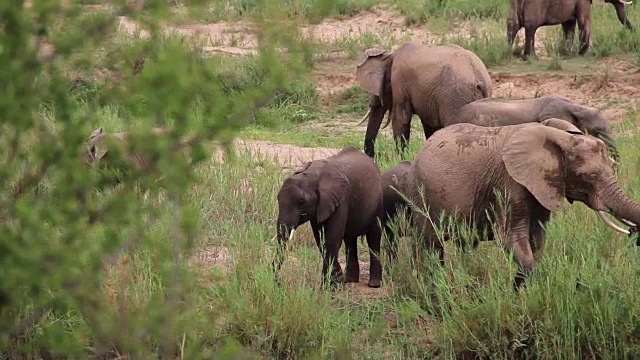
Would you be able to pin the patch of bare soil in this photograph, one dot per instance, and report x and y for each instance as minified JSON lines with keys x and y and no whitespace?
{"x":285,"y":155}
{"x":238,"y":37}
{"x":612,"y":94}
{"x":293,"y":270}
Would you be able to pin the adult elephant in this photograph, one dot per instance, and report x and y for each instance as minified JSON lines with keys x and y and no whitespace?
{"x":532,"y":14}
{"x":341,"y":196}
{"x":464,"y":169}
{"x":432,"y":82}
{"x":500,"y":112}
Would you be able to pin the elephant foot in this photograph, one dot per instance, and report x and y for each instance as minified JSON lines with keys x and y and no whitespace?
{"x":353,"y":273}
{"x":375,"y":274}
{"x":374,"y":283}
{"x":336,"y":281}
{"x":354,"y":278}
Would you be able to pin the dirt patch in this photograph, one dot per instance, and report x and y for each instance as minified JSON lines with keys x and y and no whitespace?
{"x":376,"y":20}
{"x":285,"y":155}
{"x":610,"y":93}
{"x":293,"y":270}
{"x":239,"y":37}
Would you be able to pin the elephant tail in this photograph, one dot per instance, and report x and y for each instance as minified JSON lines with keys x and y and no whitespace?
{"x":485,"y":92}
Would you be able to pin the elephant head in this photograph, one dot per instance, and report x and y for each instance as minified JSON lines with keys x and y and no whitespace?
{"x":620,"y":12}
{"x":94,"y":150}
{"x":311,"y":193}
{"x":373,"y":74}
{"x":554,"y":164}
{"x":99,"y":142}
{"x":587,"y":119}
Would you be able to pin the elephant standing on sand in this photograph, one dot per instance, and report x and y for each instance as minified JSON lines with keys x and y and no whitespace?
{"x":342,"y":197}
{"x":464,"y":170}
{"x":499,"y":112}
{"x":532,"y":14}
{"x":430,"y":81}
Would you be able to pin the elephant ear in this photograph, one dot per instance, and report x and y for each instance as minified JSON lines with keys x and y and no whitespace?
{"x":533,"y":158}
{"x":587,"y":117}
{"x":370,"y":70}
{"x":562,"y":125}
{"x":95,"y":145}
{"x":333,"y":188}
{"x":302,"y":167}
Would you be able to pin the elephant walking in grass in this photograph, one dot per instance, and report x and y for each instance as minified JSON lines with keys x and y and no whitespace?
{"x":532,"y":14}
{"x":432,"y":82}
{"x":464,"y":170}
{"x":341,"y":196}
{"x":499,"y":112}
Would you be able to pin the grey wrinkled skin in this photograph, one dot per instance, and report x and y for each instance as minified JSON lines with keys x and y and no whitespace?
{"x":432,"y":82}
{"x":341,"y":197}
{"x":464,"y":169}
{"x":532,"y":14}
{"x":500,"y":112}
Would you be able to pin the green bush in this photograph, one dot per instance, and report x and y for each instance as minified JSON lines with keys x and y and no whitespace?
{"x":91,"y":269}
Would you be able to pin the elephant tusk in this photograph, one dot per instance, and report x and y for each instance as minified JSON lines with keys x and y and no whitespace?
{"x":626,"y":2}
{"x":388,"y":120}
{"x":366,"y":115}
{"x":611,"y":224}
{"x":291,"y":235}
{"x":627,"y":222}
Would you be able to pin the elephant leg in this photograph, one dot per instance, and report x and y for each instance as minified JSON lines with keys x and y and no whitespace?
{"x":373,"y":125}
{"x":529,"y":42}
{"x":334,"y":232}
{"x":401,"y":122}
{"x":316,"y":234}
{"x":375,"y":267}
{"x":353,"y":267}
{"x":391,"y":238}
{"x":518,"y":244}
{"x":428,"y":130}
{"x":584,"y":24}
{"x":512,"y":29}
{"x":427,"y":238}
{"x":569,"y":30}
{"x":537,"y":234}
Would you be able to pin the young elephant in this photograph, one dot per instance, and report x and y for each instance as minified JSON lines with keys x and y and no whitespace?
{"x":393,"y":202}
{"x":532,"y":14}
{"x":464,"y":169}
{"x":498,"y":112}
{"x":341,"y":196}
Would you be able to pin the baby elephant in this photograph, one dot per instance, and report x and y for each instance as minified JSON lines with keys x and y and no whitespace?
{"x":341,"y":196}
{"x":393,"y":201}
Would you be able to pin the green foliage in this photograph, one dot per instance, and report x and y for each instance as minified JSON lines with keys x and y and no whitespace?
{"x":93,"y":269}
{"x":180,"y":266}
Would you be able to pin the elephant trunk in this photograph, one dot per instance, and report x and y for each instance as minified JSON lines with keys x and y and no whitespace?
{"x":284,"y":233}
{"x":621,"y":13}
{"x":620,"y":206}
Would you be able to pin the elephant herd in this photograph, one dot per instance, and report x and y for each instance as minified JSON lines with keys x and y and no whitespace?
{"x":499,"y":166}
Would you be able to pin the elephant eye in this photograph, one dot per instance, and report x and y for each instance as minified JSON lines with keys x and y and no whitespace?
{"x":301,"y":201}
